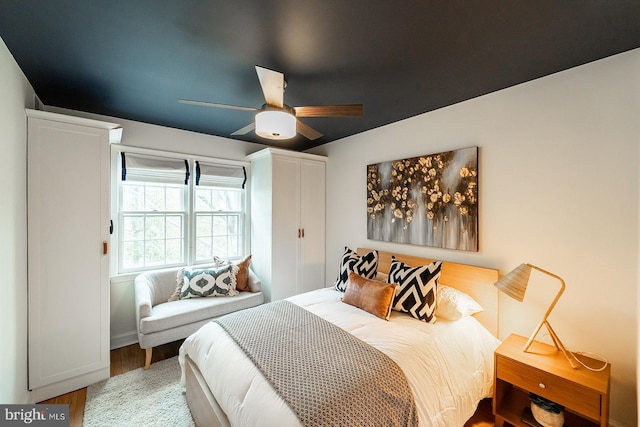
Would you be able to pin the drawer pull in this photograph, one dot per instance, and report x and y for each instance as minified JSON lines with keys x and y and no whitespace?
{"x":541,"y":385}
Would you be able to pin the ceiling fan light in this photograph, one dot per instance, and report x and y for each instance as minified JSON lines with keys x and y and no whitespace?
{"x":275,"y":125}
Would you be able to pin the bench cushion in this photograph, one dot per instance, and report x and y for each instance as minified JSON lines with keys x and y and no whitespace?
{"x":183,"y":312}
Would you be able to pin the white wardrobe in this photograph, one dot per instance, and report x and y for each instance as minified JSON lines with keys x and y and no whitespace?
{"x":68,"y":225}
{"x":288,"y":221}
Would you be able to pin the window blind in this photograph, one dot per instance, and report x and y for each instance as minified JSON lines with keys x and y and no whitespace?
{"x":141,"y":167}
{"x":220,"y":175}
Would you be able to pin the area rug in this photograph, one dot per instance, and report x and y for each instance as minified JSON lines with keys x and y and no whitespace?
{"x":139,"y":398}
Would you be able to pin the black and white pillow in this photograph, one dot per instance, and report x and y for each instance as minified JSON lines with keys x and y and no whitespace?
{"x":365,"y":265}
{"x":209,"y":282}
{"x":417,"y":289}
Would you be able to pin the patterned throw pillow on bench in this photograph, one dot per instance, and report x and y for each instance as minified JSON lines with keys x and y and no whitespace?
{"x":209,"y":282}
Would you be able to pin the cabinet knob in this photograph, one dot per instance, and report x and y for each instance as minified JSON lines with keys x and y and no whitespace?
{"x":541,"y":385}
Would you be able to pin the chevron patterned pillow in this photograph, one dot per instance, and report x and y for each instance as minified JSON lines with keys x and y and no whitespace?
{"x":365,"y":266}
{"x":417,"y":287}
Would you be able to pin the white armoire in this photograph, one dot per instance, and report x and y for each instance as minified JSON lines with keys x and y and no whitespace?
{"x":288,"y":221}
{"x":68,"y":226}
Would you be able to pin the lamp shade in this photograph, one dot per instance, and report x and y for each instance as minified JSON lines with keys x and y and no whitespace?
{"x":274,"y":124}
{"x":515,"y":283}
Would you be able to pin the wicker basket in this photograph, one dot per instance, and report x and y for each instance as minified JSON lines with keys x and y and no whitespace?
{"x":547,"y":418}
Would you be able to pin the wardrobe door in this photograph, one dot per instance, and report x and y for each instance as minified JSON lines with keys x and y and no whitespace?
{"x":68,"y":238}
{"x":312,"y":222}
{"x":286,"y":227}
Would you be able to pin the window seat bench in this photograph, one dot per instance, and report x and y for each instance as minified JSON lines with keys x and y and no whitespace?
{"x":160,"y":322}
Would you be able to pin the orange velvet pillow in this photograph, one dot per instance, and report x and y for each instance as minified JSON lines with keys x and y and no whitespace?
{"x":370,"y":295}
{"x":242,"y":278}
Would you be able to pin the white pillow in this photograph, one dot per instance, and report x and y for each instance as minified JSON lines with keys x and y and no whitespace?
{"x":453,"y":304}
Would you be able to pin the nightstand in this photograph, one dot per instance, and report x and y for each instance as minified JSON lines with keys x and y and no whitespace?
{"x":545,"y":371}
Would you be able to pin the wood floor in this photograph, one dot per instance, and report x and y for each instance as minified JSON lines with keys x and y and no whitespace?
{"x":132,"y":357}
{"x":122,"y":360}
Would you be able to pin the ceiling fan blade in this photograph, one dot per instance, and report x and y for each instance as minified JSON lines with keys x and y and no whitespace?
{"x":348,"y":110}
{"x":272,"y":83}
{"x":213,"y":104}
{"x":306,"y":130}
{"x":245,"y":130}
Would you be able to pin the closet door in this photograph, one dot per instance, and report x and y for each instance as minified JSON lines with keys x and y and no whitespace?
{"x":68,"y":237}
{"x":286,"y":227}
{"x":312,"y":222}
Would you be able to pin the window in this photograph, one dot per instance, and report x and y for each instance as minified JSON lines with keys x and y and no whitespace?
{"x":218,"y":211}
{"x":218,"y":214}
{"x":166,"y":219}
{"x":153,"y":217}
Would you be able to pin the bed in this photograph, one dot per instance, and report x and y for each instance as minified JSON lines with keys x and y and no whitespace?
{"x":451,"y":373}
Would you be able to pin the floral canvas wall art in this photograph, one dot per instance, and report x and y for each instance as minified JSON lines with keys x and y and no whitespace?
{"x":430,"y":200}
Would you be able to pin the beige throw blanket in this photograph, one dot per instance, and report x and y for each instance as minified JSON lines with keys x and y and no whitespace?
{"x":327,"y":376}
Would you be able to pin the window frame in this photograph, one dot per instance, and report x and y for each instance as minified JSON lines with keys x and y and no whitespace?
{"x":189,"y":244}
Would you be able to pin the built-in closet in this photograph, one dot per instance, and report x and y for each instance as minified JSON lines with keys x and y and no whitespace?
{"x":288,"y":221}
{"x":68,"y":226}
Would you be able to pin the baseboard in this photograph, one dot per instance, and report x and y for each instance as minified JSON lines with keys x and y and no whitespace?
{"x":58,"y":389}
{"x":124,"y":340}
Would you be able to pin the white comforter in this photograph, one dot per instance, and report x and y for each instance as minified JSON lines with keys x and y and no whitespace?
{"x":449,"y":364}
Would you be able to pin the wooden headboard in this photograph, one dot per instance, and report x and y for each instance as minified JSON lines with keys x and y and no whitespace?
{"x":474,"y":281}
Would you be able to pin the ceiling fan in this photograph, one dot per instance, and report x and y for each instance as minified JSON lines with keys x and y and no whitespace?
{"x":277,"y":120}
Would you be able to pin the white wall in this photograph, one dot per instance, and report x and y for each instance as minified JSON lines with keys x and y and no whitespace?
{"x":559,"y":188}
{"x":123,"y":317}
{"x":16,"y":94}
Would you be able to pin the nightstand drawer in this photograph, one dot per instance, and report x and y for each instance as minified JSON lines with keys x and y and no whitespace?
{"x":567,"y":393}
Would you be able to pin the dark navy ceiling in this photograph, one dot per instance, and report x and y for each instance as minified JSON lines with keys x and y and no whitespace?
{"x":134,"y":59}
